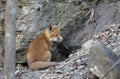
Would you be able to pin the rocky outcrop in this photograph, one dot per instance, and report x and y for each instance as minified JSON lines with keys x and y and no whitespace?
{"x":100,"y":18}
{"x":35,"y":16}
{"x":93,"y":57}
{"x":101,"y":59}
{"x":78,"y":22}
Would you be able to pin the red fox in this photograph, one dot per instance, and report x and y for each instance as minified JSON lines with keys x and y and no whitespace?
{"x":39,"y":55}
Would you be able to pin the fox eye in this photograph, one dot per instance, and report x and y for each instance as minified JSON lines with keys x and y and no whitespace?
{"x":56,"y":35}
{"x":50,"y":28}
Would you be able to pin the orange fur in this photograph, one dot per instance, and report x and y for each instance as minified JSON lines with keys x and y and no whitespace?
{"x":39,"y":55}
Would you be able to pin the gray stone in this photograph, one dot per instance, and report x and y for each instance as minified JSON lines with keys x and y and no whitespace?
{"x":101,"y":59}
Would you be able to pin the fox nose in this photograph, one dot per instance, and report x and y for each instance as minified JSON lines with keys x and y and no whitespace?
{"x":60,"y":38}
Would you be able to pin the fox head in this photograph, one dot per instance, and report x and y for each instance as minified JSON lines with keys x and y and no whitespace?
{"x":53,"y":34}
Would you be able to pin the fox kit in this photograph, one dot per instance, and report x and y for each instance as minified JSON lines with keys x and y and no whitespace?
{"x":39,"y":55}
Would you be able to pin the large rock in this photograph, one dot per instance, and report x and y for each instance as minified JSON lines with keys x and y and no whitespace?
{"x":101,"y":59}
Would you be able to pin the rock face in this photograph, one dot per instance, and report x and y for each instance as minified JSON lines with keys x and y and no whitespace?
{"x":101,"y":59}
{"x":78,"y":22}
{"x":102,"y":17}
{"x":77,"y":26}
{"x":35,"y":16}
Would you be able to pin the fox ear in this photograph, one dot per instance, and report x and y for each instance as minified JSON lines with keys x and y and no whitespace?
{"x":55,"y":28}
{"x":47,"y":32}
